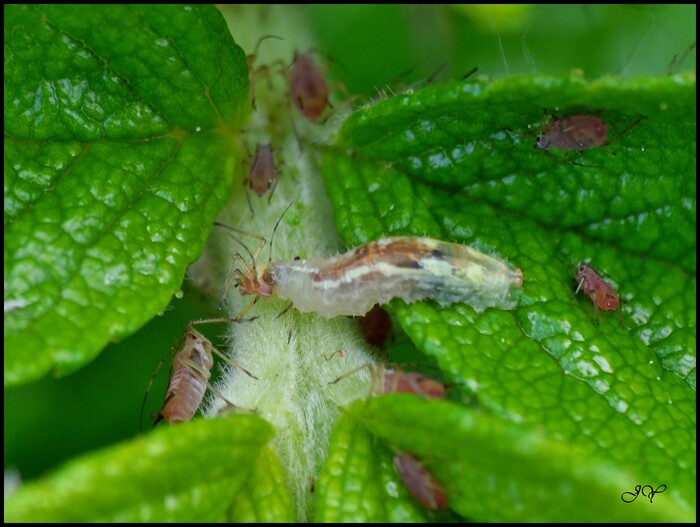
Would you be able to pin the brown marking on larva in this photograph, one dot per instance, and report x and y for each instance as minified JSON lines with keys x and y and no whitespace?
{"x":397,"y":253}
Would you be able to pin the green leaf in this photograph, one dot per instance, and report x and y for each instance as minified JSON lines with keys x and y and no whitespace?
{"x":358,"y":482}
{"x":441,"y":163}
{"x":507,"y":472}
{"x":117,"y":159}
{"x":264,"y":498}
{"x":189,"y":472}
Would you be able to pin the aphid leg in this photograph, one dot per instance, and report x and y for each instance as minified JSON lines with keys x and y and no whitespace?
{"x":376,"y":377}
{"x":351,"y":372}
{"x":230,"y":277}
{"x":630,"y":127}
{"x":247,"y":197}
{"x":261,"y":240}
{"x":291,"y":325}
{"x":289,"y":306}
{"x":580,"y":284}
{"x":216,"y":351}
{"x":272,"y":188}
{"x":594,"y":297}
{"x":469,"y":73}
{"x":230,"y":406}
{"x":248,"y":308}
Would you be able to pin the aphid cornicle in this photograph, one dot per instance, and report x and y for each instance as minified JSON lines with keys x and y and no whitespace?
{"x":408,"y":268}
{"x":420,"y":482}
{"x":597,"y":289}
{"x":189,"y":377}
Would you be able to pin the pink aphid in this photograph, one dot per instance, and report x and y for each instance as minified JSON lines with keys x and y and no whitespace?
{"x":422,"y":485}
{"x":597,"y":289}
{"x":307,"y":87}
{"x":578,"y":132}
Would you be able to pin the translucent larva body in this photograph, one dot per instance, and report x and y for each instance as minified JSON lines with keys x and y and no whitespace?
{"x":191,"y":370}
{"x":307,"y":87}
{"x":400,"y":267}
{"x":420,"y":482}
{"x":577,"y":132}
{"x":263,"y":172}
{"x":597,"y":289}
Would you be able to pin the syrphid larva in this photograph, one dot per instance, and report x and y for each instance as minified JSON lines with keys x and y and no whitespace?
{"x":409,"y":268}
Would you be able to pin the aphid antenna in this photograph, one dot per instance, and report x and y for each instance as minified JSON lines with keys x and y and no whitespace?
{"x":634,"y":124}
{"x":437,"y":72}
{"x":373,"y":372}
{"x":469,"y":73}
{"x":274,"y":230}
{"x":153,"y":377}
{"x":260,"y":40}
{"x":677,"y":63}
{"x":258,"y":249}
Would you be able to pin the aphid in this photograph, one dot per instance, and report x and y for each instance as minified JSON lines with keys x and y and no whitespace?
{"x":263,"y":174}
{"x":386,"y":380}
{"x":412,"y":382}
{"x":597,"y":289}
{"x":422,"y":485}
{"x":375,"y":326}
{"x":307,"y":87}
{"x":253,"y":72}
{"x":189,"y":375}
{"x":578,"y":132}
{"x":409,"y":268}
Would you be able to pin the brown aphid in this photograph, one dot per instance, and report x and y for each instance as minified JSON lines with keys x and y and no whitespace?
{"x":422,"y":485}
{"x":189,"y":375}
{"x":307,"y":87}
{"x":578,"y":132}
{"x":263,"y":174}
{"x":597,"y":289}
{"x":375,"y":326}
{"x":386,"y":380}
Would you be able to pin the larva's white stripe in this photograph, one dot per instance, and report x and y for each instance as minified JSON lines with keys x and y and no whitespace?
{"x":350,"y":284}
